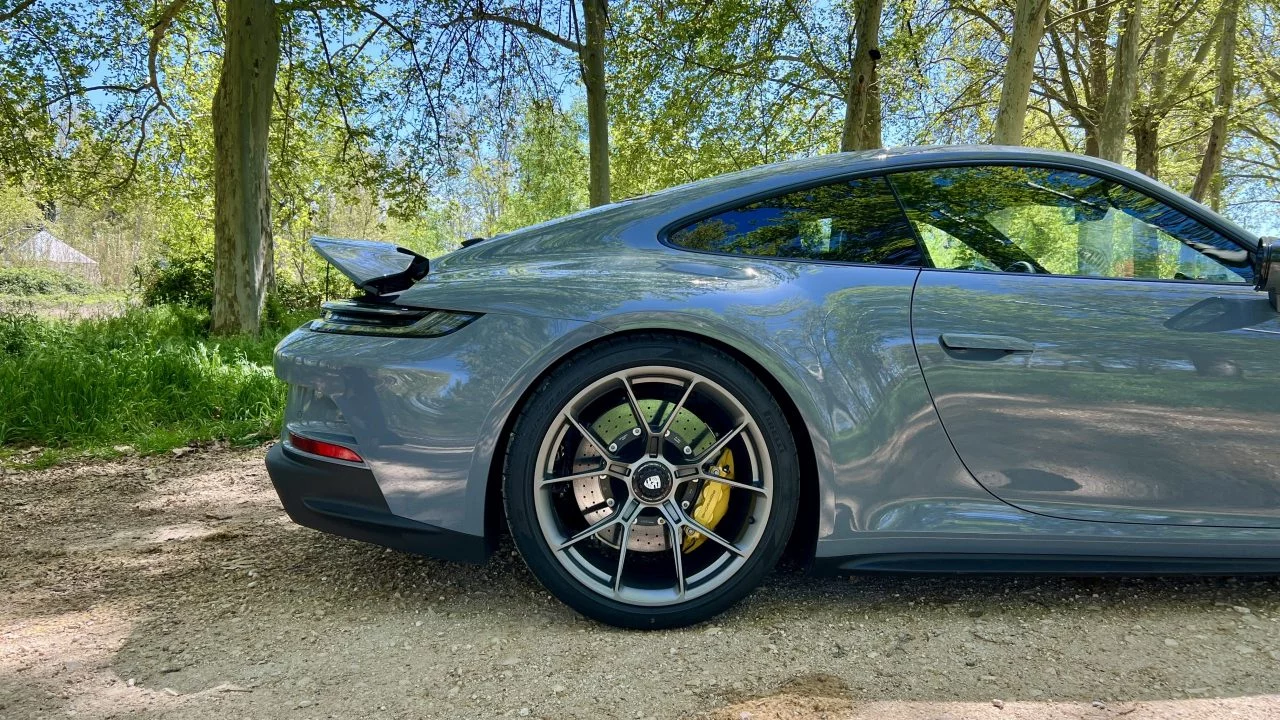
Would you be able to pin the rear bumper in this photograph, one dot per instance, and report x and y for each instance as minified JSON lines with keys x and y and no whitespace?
{"x":346,"y":500}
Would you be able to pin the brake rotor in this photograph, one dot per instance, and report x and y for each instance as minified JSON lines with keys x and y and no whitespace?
{"x":595,"y":498}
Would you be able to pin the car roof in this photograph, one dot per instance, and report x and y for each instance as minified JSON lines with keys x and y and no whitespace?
{"x":764,"y":179}
{"x":817,"y":169}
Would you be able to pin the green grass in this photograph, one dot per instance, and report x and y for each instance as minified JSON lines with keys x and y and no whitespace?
{"x":151,"y":378}
{"x":28,"y":281}
{"x":94,"y":304}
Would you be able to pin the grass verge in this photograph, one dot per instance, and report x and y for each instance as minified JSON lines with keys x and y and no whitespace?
{"x":151,"y":379}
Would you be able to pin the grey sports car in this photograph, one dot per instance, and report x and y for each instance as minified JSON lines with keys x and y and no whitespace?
{"x":923,"y":359}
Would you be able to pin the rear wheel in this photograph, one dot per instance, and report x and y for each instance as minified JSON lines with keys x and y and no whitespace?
{"x":651,"y":482}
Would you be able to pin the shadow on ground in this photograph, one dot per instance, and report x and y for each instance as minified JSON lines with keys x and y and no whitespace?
{"x":177,"y":588}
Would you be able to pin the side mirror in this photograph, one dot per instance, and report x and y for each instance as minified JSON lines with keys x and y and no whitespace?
{"x":1266,"y":268}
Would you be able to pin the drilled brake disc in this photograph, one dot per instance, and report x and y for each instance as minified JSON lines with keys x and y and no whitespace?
{"x":708,"y":500}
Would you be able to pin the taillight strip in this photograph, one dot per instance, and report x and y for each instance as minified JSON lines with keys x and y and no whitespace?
{"x":323,"y":449}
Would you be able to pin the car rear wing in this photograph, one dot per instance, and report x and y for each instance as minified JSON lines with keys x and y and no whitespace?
{"x":377,"y":268}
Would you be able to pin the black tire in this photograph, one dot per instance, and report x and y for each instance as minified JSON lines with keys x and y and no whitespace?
{"x":579,"y":372}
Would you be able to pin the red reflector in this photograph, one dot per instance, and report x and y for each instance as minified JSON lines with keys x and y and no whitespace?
{"x":323,"y":449}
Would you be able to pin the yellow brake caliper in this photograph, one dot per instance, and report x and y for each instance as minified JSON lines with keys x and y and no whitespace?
{"x":712,"y":503}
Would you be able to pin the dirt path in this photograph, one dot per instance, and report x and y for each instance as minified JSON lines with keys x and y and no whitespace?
{"x":178,"y":588}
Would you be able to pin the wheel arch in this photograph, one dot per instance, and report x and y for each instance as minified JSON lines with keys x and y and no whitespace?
{"x":804,"y":535}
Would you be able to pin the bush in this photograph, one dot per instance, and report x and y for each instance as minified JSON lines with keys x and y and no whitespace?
{"x":182,"y":281}
{"x":151,"y":378}
{"x":27,"y":281}
{"x":188,"y":282}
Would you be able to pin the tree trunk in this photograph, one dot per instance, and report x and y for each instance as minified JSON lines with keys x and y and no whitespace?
{"x":862,"y":95}
{"x":1146,"y":143}
{"x":242,"y":196}
{"x":1097,"y":28}
{"x":1223,"y":98}
{"x":595,"y":13}
{"x":1028,"y":29}
{"x":1114,"y":126}
{"x":1146,"y":126}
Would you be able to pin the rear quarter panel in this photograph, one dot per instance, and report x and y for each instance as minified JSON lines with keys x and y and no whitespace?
{"x":427,"y":414}
{"x":835,"y":339}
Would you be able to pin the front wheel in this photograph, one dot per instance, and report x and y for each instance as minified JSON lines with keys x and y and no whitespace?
{"x":651,"y":482}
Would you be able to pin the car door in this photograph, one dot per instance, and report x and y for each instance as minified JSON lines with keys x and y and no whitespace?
{"x":1095,"y":353}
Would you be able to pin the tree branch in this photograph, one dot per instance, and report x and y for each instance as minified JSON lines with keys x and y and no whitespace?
{"x":736,"y":70}
{"x":1165,"y":104}
{"x":158,"y":31}
{"x":333,"y":75}
{"x":93,"y":88}
{"x":985,"y":19}
{"x":532,"y":28}
{"x":16,"y":10}
{"x":1090,"y":9}
{"x":1253,"y":161}
{"x":822,"y":67}
{"x":1250,"y":176}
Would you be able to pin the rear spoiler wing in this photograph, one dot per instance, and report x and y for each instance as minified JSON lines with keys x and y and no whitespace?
{"x":377,"y":268}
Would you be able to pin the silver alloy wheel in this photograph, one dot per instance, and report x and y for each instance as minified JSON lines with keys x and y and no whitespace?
{"x":643,"y":480}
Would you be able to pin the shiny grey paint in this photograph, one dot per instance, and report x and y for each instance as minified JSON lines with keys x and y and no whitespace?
{"x":424,"y":414}
{"x":428,"y":414}
{"x":1145,"y":402}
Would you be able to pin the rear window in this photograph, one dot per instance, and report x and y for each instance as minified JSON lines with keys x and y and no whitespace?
{"x":853,"y":221}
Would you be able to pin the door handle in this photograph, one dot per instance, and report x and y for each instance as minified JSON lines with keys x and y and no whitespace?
{"x":967,"y":341}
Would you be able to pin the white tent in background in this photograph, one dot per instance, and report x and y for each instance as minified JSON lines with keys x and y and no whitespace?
{"x":45,"y":250}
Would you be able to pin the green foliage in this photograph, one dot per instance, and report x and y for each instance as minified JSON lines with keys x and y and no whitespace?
{"x":27,"y":281}
{"x":701,"y":88}
{"x":188,"y":282}
{"x":182,"y":281}
{"x":18,"y":211}
{"x":292,"y":297}
{"x":552,"y":163}
{"x":151,"y":378}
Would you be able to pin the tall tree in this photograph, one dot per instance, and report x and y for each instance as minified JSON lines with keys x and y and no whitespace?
{"x":550,"y":163}
{"x":701,"y":88}
{"x":242,"y":193}
{"x":593,"y":77}
{"x":1170,"y":76}
{"x":1024,"y":44}
{"x":862,"y":111}
{"x":1114,"y":125}
{"x":1223,"y":99}
{"x":590,"y":50}
{"x":65,"y":49}
{"x":756,"y":80}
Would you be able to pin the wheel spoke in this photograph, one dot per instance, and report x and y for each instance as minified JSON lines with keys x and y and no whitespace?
{"x":622,"y":554}
{"x":579,"y":476}
{"x":702,"y":530}
{"x":601,"y":525}
{"x":635,"y":405}
{"x":588,"y":435}
{"x":675,"y":524}
{"x":732,"y":483}
{"x":677,"y":551}
{"x":679,"y":406}
{"x":721,"y":442}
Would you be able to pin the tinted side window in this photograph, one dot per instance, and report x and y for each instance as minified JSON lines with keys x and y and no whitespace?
{"x":856,"y":221}
{"x":1047,"y":220}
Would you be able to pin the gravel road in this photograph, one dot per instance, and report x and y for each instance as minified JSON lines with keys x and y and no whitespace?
{"x":175,"y":587}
